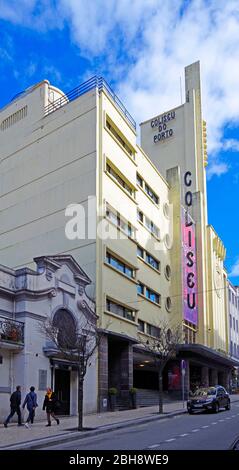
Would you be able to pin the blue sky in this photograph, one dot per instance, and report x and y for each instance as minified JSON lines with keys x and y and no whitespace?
{"x":141,"y":49}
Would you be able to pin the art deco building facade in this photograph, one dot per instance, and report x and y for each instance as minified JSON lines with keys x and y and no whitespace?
{"x":138,"y":227}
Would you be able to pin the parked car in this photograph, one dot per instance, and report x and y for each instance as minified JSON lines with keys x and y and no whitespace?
{"x":209,"y":398}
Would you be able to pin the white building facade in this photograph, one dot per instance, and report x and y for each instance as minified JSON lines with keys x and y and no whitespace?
{"x":27,"y":357}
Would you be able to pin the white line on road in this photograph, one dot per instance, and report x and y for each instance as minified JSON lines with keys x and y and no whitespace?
{"x":153,"y":446}
{"x":214,"y":423}
{"x":203,"y":427}
{"x":183,"y":435}
{"x":221,"y":420}
{"x":227,"y":418}
{"x":233,"y":416}
{"x":170,"y":440}
{"x":195,"y":430}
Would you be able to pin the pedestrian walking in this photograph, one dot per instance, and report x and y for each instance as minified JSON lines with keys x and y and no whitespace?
{"x":15,"y":402}
{"x":50,"y":405}
{"x":31,"y":403}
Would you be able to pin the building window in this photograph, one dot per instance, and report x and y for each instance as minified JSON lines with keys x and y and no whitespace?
{"x":147,"y":189}
{"x":152,"y":261}
{"x":42,"y":379}
{"x":168,"y":304}
{"x":119,"y":265}
{"x":231,"y":347}
{"x":120,"y":139}
{"x":141,"y":325}
{"x":151,"y":227}
{"x":120,"y":310}
{"x":237,"y":326}
{"x":151,"y":295}
{"x":117,"y":219}
{"x":140,"y":288}
{"x":234,"y":325}
{"x":153,"y":330}
{"x":230,"y":320}
{"x":151,"y":193}
{"x":168,"y":272}
{"x":140,"y":252}
{"x":140,"y":216}
{"x":120,"y":180}
{"x":139,"y":180}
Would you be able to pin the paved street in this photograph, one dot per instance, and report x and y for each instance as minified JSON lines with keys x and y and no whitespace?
{"x":199,"y":431}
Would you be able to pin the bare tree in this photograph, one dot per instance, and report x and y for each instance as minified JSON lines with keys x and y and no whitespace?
{"x":77,"y":343}
{"x":162,"y":347}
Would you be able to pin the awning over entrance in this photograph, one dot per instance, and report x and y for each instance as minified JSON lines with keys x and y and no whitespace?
{"x":63,"y":364}
{"x":203,"y":353}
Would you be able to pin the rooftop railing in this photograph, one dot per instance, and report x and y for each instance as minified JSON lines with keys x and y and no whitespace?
{"x":11,"y":331}
{"x":92,"y":83}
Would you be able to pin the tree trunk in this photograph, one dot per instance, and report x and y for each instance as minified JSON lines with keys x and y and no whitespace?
{"x":80,"y":401}
{"x":160,"y":378}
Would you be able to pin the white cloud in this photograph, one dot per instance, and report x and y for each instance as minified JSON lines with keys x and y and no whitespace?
{"x":158,"y":39}
{"x":217,"y":169}
{"x":231,"y":144}
{"x":235,"y":269}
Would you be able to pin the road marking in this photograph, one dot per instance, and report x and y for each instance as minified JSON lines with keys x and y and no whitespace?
{"x":195,"y":430}
{"x":170,"y":440}
{"x":203,"y":427}
{"x":227,"y":418}
{"x":183,"y":435}
{"x":221,"y":420}
{"x":233,"y":416}
{"x":153,"y":446}
{"x":215,"y":422}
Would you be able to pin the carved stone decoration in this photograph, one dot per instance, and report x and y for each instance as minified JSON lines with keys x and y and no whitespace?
{"x":81,"y":304}
{"x":65,"y":299}
{"x":53,"y":293}
{"x":49,"y":275}
{"x":81,"y":290}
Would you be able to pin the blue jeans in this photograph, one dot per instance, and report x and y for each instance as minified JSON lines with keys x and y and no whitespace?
{"x":13,"y":411}
{"x":31,"y":415}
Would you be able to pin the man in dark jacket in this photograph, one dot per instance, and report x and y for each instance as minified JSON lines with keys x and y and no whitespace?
{"x":31,"y":402}
{"x":15,"y":402}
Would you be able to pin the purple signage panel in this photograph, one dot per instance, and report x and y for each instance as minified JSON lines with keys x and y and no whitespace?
{"x":189,"y":264}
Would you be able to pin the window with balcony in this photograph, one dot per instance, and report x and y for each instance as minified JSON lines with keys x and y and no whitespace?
{"x":147,"y":189}
{"x":153,"y":330}
{"x":141,"y":325}
{"x":119,"y":265}
{"x":140,"y":288}
{"x":120,"y":310}
{"x":122,"y":141}
{"x":152,"y":261}
{"x":149,"y":293}
{"x":120,"y":180}
{"x":116,"y":218}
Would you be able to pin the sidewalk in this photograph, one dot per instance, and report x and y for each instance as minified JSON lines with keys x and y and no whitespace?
{"x":38,"y":435}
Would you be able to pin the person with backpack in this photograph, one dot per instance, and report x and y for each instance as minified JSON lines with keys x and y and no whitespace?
{"x":31,"y":402}
{"x":15,"y":402}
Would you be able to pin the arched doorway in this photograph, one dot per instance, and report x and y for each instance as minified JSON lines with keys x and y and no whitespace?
{"x":65,"y":323}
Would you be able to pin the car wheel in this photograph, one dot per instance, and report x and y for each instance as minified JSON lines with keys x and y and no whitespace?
{"x":190,"y":411}
{"x":228,"y":407}
{"x":216,"y":408}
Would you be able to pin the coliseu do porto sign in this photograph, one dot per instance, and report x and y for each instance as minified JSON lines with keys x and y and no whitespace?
{"x":189,"y":257}
{"x":162,"y":125}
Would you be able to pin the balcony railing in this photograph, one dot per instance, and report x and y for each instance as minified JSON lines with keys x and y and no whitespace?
{"x":11,"y":331}
{"x":92,"y":83}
